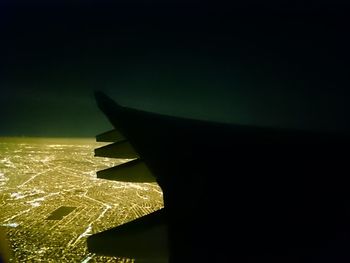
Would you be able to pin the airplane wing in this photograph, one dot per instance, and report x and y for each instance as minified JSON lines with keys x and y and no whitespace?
{"x":232,"y":192}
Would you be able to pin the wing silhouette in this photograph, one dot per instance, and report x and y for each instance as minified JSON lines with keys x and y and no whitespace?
{"x":231,"y":192}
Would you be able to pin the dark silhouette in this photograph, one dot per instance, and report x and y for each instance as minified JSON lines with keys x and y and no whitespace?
{"x":231,"y":193}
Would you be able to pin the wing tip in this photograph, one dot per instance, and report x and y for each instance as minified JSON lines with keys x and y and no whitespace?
{"x":103,"y":99}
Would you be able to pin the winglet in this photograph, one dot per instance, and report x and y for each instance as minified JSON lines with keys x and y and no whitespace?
{"x":102,"y":99}
{"x":108,"y":106}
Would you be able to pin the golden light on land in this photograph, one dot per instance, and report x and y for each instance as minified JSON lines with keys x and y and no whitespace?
{"x":51,"y":200}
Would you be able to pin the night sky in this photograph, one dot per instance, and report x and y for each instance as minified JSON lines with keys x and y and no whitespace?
{"x":266,"y":63}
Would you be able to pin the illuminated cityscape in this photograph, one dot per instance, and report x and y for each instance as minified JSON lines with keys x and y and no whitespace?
{"x":51,"y":200}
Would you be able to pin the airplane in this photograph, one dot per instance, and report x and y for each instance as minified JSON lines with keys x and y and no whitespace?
{"x":232,"y":193}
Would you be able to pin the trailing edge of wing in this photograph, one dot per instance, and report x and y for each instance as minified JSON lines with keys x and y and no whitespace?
{"x":134,"y":171}
{"x":110,"y":136}
{"x":122,"y":150}
{"x":143,"y":238}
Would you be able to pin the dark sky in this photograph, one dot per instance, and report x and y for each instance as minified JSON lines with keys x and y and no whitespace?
{"x":269,"y":63}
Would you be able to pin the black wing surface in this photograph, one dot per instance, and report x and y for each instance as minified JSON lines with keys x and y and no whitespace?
{"x":233,"y":192}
